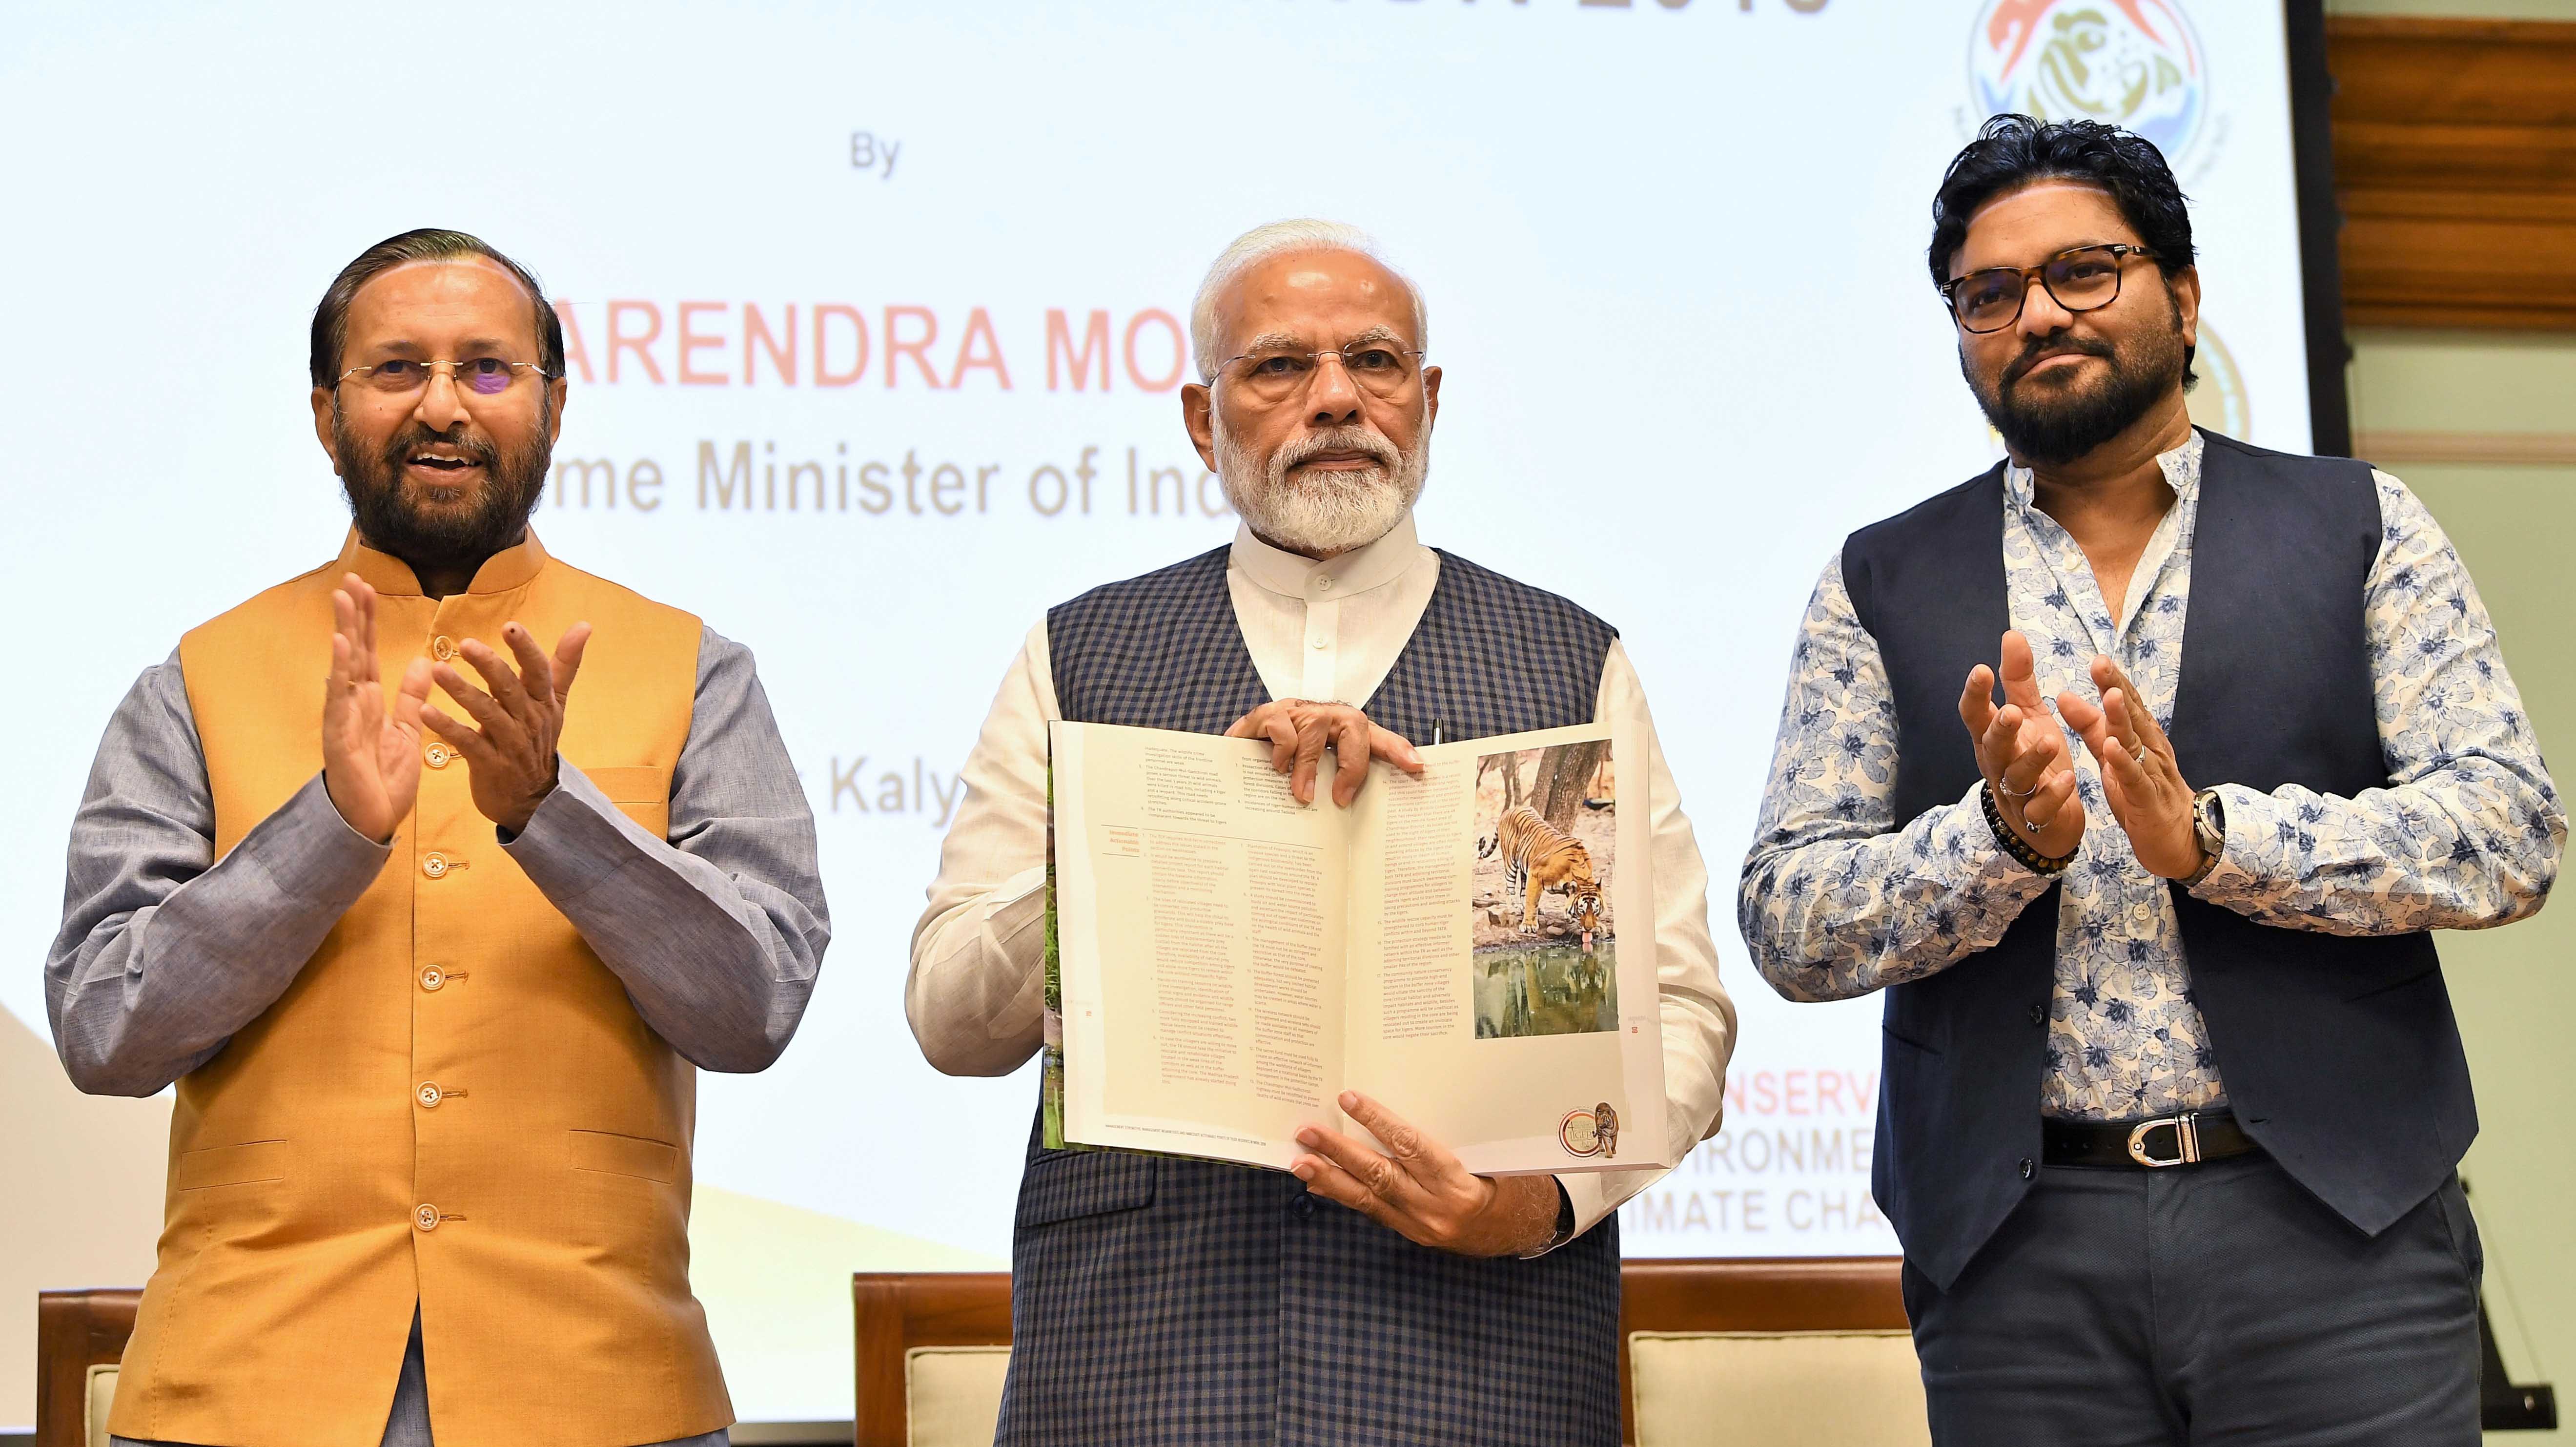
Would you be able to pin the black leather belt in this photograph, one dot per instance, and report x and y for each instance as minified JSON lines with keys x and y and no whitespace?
{"x":2172,"y":1140}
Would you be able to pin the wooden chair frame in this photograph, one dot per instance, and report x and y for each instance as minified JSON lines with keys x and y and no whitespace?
{"x":75,"y":1331}
{"x":898,"y":1311}
{"x":1786,"y":1293}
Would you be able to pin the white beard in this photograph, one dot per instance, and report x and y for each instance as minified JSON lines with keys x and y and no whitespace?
{"x":1322,"y":512}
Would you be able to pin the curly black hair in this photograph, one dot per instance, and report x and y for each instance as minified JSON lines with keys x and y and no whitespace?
{"x":2012,"y":151}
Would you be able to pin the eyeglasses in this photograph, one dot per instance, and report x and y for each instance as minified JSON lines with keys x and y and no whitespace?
{"x":2084,"y":279}
{"x":482,"y":376}
{"x":1381,"y":368}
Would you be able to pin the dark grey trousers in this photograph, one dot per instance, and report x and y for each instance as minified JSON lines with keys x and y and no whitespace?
{"x":2200,"y":1306}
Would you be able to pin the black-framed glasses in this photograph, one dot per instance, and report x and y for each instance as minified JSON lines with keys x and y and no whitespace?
{"x":1274,"y":374}
{"x":2082,"y":279}
{"x":482,"y":376}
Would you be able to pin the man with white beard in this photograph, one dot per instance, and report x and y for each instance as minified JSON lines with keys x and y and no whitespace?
{"x":1368,"y":1296}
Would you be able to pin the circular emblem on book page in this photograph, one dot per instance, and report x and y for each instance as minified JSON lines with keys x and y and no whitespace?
{"x":1579,"y":1133}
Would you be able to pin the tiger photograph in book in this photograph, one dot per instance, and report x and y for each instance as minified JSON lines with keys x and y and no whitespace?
{"x":1544,"y":960}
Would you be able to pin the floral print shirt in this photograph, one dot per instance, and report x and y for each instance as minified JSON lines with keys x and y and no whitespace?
{"x":1836,"y":901}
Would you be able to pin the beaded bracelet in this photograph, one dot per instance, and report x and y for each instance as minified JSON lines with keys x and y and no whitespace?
{"x":2030,"y":858}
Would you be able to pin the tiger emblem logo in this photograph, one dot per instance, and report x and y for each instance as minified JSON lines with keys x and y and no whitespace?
{"x":1538,"y":857}
{"x":1593,"y":1132}
{"x":2131,"y":63}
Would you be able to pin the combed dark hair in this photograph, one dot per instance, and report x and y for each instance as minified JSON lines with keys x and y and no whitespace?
{"x":2012,"y":151}
{"x":429,"y":243}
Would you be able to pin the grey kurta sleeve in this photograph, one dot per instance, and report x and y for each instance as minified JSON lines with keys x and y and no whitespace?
{"x":164,"y":953}
{"x":719,"y":930}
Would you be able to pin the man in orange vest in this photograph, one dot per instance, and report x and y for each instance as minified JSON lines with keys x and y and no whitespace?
{"x":431,"y":976}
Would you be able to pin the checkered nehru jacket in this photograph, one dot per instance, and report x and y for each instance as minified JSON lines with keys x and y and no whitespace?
{"x":1165,"y":1301}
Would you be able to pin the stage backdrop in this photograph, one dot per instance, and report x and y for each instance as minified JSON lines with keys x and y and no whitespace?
{"x":877,"y":317}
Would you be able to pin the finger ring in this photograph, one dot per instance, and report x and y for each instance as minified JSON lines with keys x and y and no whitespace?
{"x":2006,"y":790}
{"x":2032,"y":825}
{"x":2140,"y":751}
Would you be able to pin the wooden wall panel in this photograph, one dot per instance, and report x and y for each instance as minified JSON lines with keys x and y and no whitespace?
{"x":2455,"y":166}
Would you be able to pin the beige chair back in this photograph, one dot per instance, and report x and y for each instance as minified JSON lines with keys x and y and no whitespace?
{"x":1757,"y":1389}
{"x":100,"y":1396}
{"x":1770,"y":1310}
{"x":953,"y":1395}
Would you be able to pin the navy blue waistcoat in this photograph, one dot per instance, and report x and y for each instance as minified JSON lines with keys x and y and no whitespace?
{"x":2339,"y":1055}
{"x":1160,"y":1300}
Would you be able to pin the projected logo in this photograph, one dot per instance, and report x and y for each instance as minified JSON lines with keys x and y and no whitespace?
{"x":2218,"y":402}
{"x":2131,"y":63}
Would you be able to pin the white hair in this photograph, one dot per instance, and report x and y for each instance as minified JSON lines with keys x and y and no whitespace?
{"x":1278,"y":238}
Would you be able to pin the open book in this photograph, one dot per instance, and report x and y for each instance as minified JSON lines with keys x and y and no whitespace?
{"x":1224,"y":962}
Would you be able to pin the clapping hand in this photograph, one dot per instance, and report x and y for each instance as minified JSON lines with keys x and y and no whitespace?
{"x":512,"y":756}
{"x":2024,"y":755}
{"x":2141,"y":780}
{"x":370,"y":755}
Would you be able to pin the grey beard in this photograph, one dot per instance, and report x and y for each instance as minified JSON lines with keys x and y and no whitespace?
{"x":1329,"y":512}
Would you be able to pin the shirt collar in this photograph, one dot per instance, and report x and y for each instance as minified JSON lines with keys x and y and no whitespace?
{"x":509,"y":568}
{"x":1357,"y":571}
{"x":2181,"y":465}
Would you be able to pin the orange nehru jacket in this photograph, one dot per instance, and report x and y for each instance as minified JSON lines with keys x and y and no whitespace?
{"x":455,"y":1104}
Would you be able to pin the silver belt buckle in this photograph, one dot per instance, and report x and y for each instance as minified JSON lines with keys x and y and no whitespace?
{"x":2186,"y":1129}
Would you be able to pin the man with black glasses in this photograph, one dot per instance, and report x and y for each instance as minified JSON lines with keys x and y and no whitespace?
{"x":431,"y":971}
{"x":2172,"y":1094}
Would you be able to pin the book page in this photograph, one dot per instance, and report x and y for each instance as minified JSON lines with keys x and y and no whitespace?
{"x":1502,"y":993}
{"x":1201,"y":921}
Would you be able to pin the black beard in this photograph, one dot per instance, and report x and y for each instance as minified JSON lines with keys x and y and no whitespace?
{"x":2057,"y":430}
{"x":391,"y":522}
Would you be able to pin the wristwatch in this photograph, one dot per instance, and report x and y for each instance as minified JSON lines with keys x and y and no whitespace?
{"x":2209,"y":827}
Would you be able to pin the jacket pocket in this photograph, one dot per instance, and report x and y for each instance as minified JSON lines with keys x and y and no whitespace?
{"x":1064,"y":1185}
{"x":235,"y":1165}
{"x":641,"y":793}
{"x":623,"y":1155}
{"x":1915,"y":1015}
{"x":2451,"y":1203}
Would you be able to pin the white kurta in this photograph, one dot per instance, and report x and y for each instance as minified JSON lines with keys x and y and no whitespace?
{"x":1327,"y":631}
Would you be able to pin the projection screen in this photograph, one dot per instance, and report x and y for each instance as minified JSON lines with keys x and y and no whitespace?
{"x":879,"y":314}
